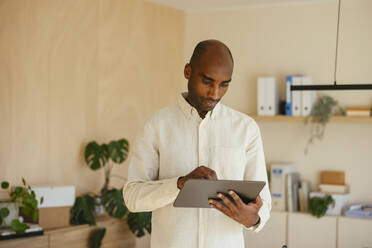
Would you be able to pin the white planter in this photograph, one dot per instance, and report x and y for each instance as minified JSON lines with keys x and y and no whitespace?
{"x":340,"y":202}
{"x":13,"y":211}
{"x":99,"y":209}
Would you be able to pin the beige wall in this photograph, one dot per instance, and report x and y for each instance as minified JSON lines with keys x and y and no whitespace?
{"x":299,"y":38}
{"x":75,"y":71}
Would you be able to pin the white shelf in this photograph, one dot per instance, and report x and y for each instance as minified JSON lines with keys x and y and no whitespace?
{"x":334,"y":119}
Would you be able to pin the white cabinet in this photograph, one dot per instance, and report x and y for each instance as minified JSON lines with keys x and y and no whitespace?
{"x":302,"y":230}
{"x":306,"y":231}
{"x":356,"y":233}
{"x":273,"y":235}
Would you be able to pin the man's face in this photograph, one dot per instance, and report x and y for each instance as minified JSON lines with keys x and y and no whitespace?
{"x":208,"y":82}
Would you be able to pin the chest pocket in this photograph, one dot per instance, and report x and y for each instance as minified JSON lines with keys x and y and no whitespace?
{"x":228,"y":162}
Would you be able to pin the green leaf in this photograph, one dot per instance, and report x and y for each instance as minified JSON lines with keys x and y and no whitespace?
{"x":35,"y":216}
{"x":4,"y":212}
{"x":18,"y":191}
{"x":26,"y":210}
{"x":17,"y":226}
{"x":318,"y":206}
{"x":139,"y":222}
{"x":95,"y":156}
{"x":4,"y":185}
{"x":23,"y":181}
{"x":82,"y":211}
{"x":95,"y":238}
{"x":118,"y":150}
{"x":113,"y":202}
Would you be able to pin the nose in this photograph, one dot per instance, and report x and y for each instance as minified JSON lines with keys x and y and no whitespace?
{"x":213,"y":92}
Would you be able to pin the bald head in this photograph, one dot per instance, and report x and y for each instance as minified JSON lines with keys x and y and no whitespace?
{"x":210,"y":49}
{"x":209,"y":74}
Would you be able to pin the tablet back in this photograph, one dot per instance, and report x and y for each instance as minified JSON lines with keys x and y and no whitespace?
{"x":196,"y":192}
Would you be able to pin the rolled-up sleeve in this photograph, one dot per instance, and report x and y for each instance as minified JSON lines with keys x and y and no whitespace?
{"x":143,"y":191}
{"x":256,"y":170}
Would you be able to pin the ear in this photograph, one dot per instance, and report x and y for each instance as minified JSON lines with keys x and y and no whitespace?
{"x":187,"y":71}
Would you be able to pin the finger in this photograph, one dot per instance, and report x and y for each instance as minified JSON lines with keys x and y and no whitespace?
{"x":219,"y":206}
{"x":208,"y":173}
{"x":235,"y":196}
{"x":211,"y":173}
{"x":214,"y":175}
{"x":228,"y":203}
{"x":210,"y":176}
{"x":257,"y":203}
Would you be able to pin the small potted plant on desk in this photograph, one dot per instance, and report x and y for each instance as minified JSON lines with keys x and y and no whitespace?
{"x":23,"y":200}
{"x":87,"y":206}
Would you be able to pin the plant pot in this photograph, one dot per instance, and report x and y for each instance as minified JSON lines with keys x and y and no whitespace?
{"x":13,"y":208}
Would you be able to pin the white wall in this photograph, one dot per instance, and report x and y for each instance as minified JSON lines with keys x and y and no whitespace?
{"x":300,"y":38}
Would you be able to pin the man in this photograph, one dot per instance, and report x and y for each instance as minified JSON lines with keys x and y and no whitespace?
{"x":198,"y":138}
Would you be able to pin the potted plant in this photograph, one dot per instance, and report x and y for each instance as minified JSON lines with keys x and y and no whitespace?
{"x":321,"y":112}
{"x":22,"y":197}
{"x":105,"y":156}
{"x":318,"y":206}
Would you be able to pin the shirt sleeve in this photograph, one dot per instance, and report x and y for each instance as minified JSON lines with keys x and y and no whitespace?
{"x":256,"y":170}
{"x":143,"y":192}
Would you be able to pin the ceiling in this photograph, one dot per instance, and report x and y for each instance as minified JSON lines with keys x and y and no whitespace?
{"x":205,"y":5}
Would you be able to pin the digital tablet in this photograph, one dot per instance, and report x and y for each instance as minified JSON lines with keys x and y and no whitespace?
{"x":196,"y":192}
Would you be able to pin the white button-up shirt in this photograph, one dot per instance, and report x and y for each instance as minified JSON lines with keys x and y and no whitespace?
{"x":172,"y":143}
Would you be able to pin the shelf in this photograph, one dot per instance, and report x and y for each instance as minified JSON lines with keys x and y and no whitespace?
{"x":334,"y":119}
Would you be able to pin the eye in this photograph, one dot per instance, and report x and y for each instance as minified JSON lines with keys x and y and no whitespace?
{"x":224,"y":85}
{"x":206,"y":82}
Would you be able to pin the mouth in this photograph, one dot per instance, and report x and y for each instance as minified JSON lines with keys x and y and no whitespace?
{"x":210,"y":103}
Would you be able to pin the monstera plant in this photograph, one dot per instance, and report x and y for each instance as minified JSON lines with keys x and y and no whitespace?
{"x":106,"y":156}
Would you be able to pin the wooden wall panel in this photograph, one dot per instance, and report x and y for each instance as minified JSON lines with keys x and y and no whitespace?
{"x":75,"y":71}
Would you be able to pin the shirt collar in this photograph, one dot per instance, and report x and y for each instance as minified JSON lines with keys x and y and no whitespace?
{"x":190,"y":111}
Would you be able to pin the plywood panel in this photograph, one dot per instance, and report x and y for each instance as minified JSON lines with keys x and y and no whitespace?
{"x":32,"y":242}
{"x":117,"y":234}
{"x":75,"y":238}
{"x":76,"y":71}
{"x":23,"y":93}
{"x":72,"y":83}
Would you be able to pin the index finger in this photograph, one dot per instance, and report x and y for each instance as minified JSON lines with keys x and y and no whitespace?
{"x":209,"y":173}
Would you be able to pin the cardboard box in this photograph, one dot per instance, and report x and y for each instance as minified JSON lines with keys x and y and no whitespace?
{"x":50,"y":218}
{"x":54,"y":217}
{"x":332,"y":177}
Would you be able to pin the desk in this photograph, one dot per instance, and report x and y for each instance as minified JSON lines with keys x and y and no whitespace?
{"x":117,"y":235}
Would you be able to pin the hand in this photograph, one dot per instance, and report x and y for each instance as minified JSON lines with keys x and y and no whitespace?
{"x":246,"y":214}
{"x":198,"y":173}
